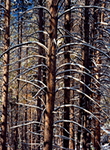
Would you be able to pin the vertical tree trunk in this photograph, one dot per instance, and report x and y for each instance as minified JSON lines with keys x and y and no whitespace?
{"x":18,"y":82}
{"x":48,"y":132}
{"x":94,"y":33}
{"x":67,"y":67}
{"x":40,"y":61}
{"x":72,"y":129}
{"x":81,"y":101}
{"x":17,"y":97}
{"x":23,"y":119}
{"x":26,"y":114}
{"x":11,"y":116}
{"x":87,"y":64}
{"x":5,"y":74}
{"x":29,"y":116}
{"x":11,"y":126}
{"x":96,"y":129}
{"x":99,"y":18}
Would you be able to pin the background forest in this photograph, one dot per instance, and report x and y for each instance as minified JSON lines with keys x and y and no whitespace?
{"x":54,"y":74}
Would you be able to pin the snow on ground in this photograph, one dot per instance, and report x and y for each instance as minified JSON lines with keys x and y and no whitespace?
{"x":105,"y":146}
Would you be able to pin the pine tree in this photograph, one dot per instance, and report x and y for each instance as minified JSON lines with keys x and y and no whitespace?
{"x":48,"y":131}
{"x":67,"y":28}
{"x":5,"y":74}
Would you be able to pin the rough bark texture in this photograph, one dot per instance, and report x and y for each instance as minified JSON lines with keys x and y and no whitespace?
{"x":40,"y":61}
{"x":17,"y":96}
{"x":72,"y":129}
{"x":26,"y":109}
{"x":94,"y":37}
{"x":95,"y":122}
{"x":87,"y":64}
{"x":5,"y":75}
{"x":81,"y":101}
{"x":66,"y":80}
{"x":29,"y":115}
{"x":48,"y":132}
{"x":18,"y":82}
{"x":99,"y":17}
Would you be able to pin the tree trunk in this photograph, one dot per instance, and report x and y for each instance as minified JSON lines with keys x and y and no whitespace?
{"x":99,"y":18}
{"x":67,"y":67}
{"x":87,"y":64}
{"x":17,"y":97}
{"x":81,"y":101}
{"x":48,"y":131}
{"x":72,"y":129}
{"x":40,"y":61}
{"x":95,"y":123}
{"x":5,"y":75}
{"x":26,"y":109}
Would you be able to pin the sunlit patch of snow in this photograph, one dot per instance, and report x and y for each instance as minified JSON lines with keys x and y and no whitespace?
{"x":106,"y":146}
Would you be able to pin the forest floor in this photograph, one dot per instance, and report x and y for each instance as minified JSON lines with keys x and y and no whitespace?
{"x":106,"y":146}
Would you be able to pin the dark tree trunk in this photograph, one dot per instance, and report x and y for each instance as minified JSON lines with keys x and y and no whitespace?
{"x":67,"y":67}
{"x":95,"y":123}
{"x":81,"y":101}
{"x":94,"y":37}
{"x":40,"y":61}
{"x":98,"y":17}
{"x":48,"y":132}
{"x":87,"y":64}
{"x":5,"y":75}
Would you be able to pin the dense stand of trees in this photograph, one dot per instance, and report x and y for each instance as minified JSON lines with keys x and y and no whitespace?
{"x":54,"y":74}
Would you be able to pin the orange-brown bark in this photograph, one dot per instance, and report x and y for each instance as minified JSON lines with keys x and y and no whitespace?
{"x":5,"y":74}
{"x":48,"y":132}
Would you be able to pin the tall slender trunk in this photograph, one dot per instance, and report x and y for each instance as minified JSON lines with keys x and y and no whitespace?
{"x":16,"y":116}
{"x":19,"y":64}
{"x":94,"y":33}
{"x":26,"y":114}
{"x":18,"y":82}
{"x":29,"y":128}
{"x":45,"y":82}
{"x":67,"y":67}
{"x":100,"y":18}
{"x":72,"y":127}
{"x":95,"y":123}
{"x":87,"y":64}
{"x":11,"y":125}
{"x":81,"y":101}
{"x":40,"y":61}
{"x":5,"y":75}
{"x":51,"y":76}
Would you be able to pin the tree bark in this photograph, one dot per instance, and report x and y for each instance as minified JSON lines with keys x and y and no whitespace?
{"x":48,"y":131}
{"x":87,"y":64}
{"x":5,"y":75}
{"x":98,"y":17}
{"x":40,"y":61}
{"x":81,"y":101}
{"x":26,"y":109}
{"x":17,"y":97}
{"x":67,"y":67}
{"x":72,"y":129}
